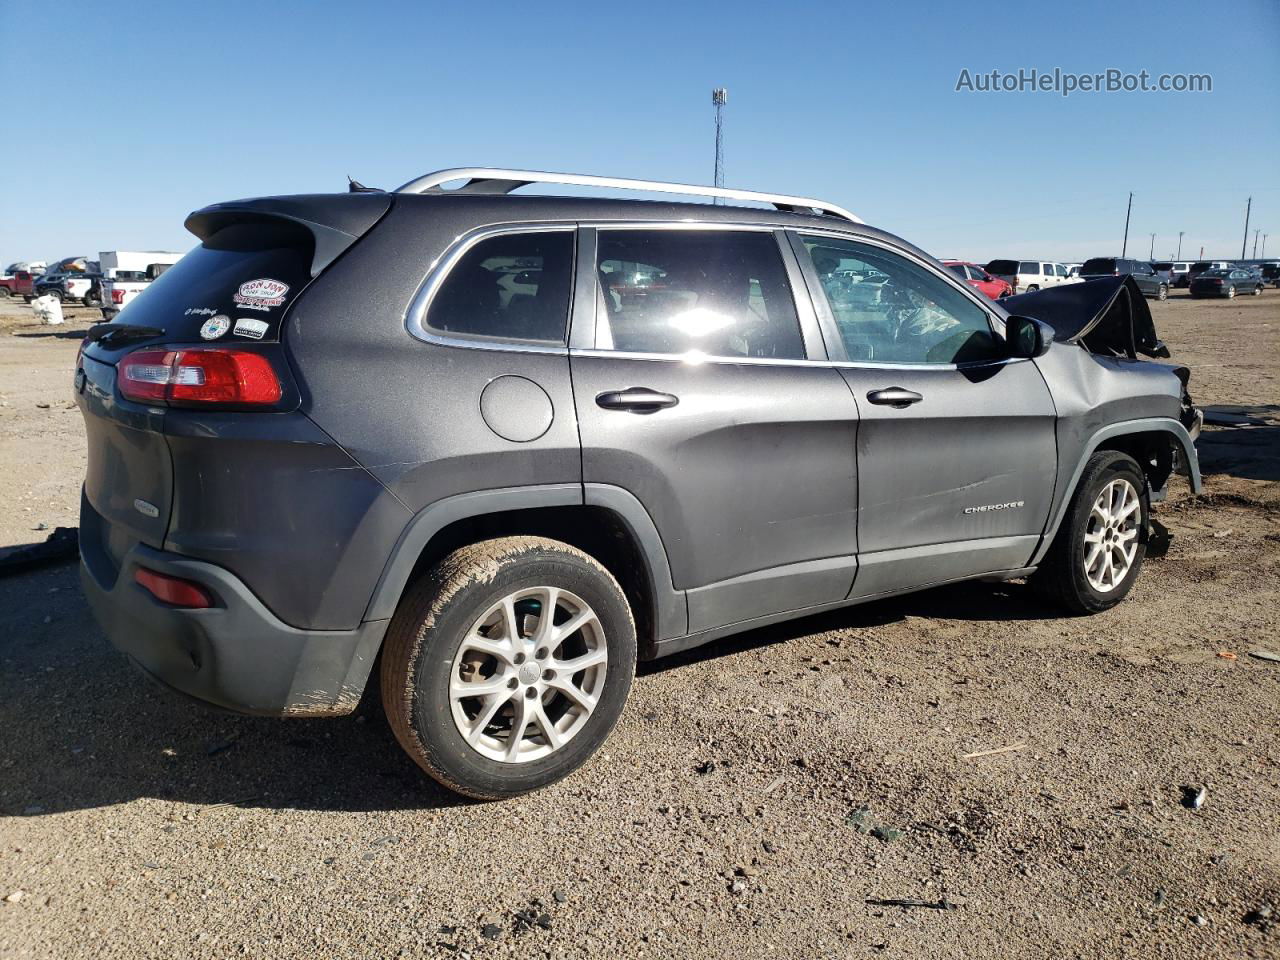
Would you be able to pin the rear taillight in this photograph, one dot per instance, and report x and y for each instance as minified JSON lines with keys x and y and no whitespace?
{"x":173,"y":590}
{"x":117,"y":296}
{"x":199,"y":376}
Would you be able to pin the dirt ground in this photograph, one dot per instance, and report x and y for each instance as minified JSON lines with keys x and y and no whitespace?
{"x":760,"y":798}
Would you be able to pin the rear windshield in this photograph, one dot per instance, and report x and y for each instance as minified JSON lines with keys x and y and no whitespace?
{"x":235,"y":286}
{"x":1162,"y":265}
{"x":1201,"y":265}
{"x":1099,"y":265}
{"x":1007,"y":267}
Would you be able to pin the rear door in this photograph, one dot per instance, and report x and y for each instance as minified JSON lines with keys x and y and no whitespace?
{"x":956,"y":449}
{"x":701,"y":390}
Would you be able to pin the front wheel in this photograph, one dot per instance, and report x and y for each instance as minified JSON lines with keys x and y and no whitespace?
{"x":1257,"y":291}
{"x":1231,"y":293}
{"x":1099,"y":548}
{"x":1164,"y":292}
{"x":507,"y":665}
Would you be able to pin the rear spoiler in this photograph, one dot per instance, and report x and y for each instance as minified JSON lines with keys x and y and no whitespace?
{"x":1109,"y":316}
{"x":335,"y":221}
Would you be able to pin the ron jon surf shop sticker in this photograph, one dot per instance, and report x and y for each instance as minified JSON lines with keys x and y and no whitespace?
{"x":262,"y":294}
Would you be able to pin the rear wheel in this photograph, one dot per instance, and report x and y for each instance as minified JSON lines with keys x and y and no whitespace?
{"x":1164,"y":292}
{"x":507,"y":665}
{"x":1033,"y":288}
{"x":4,"y":293}
{"x":1231,"y":293}
{"x":55,"y":293}
{"x":1099,"y":548}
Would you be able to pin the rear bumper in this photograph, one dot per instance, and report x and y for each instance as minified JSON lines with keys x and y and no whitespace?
{"x":236,"y":655}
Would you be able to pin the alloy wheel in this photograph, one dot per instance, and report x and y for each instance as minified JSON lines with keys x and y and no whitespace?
{"x":528,"y":675}
{"x":1111,"y":535}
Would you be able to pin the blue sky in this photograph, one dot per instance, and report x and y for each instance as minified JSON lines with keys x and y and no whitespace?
{"x":142,"y":112}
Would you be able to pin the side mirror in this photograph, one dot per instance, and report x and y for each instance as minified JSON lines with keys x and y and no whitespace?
{"x":1027,"y":337}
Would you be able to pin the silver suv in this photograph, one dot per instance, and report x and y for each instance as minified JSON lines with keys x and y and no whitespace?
{"x":502,"y":446}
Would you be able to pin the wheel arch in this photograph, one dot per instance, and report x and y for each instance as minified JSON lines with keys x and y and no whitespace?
{"x":1147,"y":441}
{"x":606,"y":522}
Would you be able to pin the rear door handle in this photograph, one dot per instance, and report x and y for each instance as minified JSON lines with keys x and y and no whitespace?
{"x":894,"y":397}
{"x":636,"y":399}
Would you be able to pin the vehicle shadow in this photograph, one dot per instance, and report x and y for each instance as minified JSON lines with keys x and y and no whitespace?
{"x":973,"y":601}
{"x":82,"y":728}
{"x":71,"y":331}
{"x":1241,"y":441}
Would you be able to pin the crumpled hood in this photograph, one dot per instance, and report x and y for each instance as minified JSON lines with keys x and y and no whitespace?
{"x":1108,"y":316}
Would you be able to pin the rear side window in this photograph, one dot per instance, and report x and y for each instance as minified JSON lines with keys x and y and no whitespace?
{"x":1029,"y":266}
{"x":719,"y":293}
{"x":235,"y":286}
{"x":959,"y":270}
{"x":514,"y":286}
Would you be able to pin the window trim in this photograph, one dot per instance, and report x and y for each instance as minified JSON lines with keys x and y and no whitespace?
{"x":416,"y":313}
{"x":831,"y":332}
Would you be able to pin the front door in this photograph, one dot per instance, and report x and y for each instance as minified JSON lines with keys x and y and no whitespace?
{"x":956,"y":450}
{"x":698,"y":391}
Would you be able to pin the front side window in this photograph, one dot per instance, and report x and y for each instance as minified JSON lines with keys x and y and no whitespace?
{"x":1059,"y":269}
{"x":513,"y":286}
{"x":889,"y":309}
{"x":713,"y":292}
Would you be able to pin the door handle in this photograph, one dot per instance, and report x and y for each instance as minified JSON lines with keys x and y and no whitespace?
{"x":897,"y":397}
{"x":636,"y":399}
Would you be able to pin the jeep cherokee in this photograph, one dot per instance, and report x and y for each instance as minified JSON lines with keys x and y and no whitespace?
{"x":505,"y":445}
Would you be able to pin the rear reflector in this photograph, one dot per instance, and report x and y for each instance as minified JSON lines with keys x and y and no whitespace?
{"x":200,"y":376}
{"x":173,"y":590}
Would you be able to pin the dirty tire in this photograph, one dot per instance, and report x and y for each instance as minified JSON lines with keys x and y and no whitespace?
{"x":436,"y":613}
{"x":1164,"y":292}
{"x":1257,"y":291}
{"x":1231,"y":292}
{"x":1060,"y":579}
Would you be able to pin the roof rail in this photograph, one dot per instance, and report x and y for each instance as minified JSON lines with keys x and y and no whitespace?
{"x":493,"y":181}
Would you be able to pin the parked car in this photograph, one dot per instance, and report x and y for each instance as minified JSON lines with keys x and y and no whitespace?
{"x":1149,"y":282}
{"x":19,"y":283}
{"x":979,"y":279}
{"x":67,"y":287}
{"x":1200,"y":266}
{"x":338,"y":432}
{"x":125,"y":274}
{"x":1226,"y":283}
{"x":1028,"y":276}
{"x":1271,"y":273}
{"x":1175,"y":273}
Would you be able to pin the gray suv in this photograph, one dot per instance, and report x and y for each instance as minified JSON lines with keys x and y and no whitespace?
{"x":503,"y":446}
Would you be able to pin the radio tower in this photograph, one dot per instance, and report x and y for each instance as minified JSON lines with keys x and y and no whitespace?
{"x":719,"y":97}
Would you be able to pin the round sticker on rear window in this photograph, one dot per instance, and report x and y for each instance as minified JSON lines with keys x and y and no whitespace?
{"x":215,"y":327}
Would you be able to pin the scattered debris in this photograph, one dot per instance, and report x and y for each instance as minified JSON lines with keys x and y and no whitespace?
{"x":858,"y":819}
{"x":558,"y":896}
{"x":1200,"y":920}
{"x":15,"y":897}
{"x":1265,"y":655}
{"x":774,"y":786}
{"x":705,"y":767}
{"x":1160,"y":897}
{"x":1223,"y":534}
{"x":1260,"y":917}
{"x":491,"y":931}
{"x":886,"y":834}
{"x":220,"y":746}
{"x":991,"y":753}
{"x":943,"y":904}
{"x":1227,"y":655}
{"x":738,"y":887}
{"x":1193,"y":797}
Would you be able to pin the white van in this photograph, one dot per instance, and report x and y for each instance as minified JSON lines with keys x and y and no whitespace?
{"x":126,"y":273}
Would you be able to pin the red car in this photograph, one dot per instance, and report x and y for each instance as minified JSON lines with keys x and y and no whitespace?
{"x":975,"y":276}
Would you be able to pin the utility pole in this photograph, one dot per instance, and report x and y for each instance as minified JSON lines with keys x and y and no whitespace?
{"x":1245,"y":242}
{"x":1264,"y":245}
{"x":1125,"y":248}
{"x":1255,"y":243}
{"x":719,"y":97}
{"x":1178,"y":255}
{"x":1151,"y":254}
{"x":1202,"y":253}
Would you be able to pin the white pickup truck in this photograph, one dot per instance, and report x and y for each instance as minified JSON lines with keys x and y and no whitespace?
{"x":127,"y":273}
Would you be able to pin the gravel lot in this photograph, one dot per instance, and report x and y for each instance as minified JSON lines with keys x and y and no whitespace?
{"x":759,"y":796}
